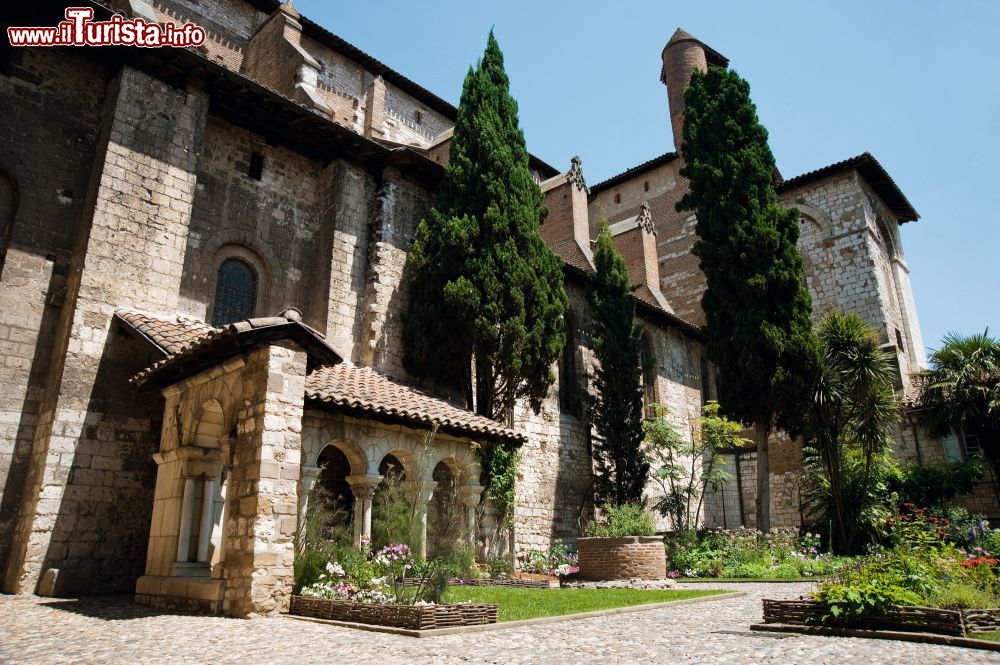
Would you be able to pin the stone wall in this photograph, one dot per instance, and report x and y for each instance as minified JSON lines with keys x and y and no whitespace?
{"x":272,"y":222}
{"x":90,"y":455}
{"x":346,"y":203}
{"x":49,"y":134}
{"x":398,"y":207}
{"x":264,"y":483}
{"x":633,"y":557}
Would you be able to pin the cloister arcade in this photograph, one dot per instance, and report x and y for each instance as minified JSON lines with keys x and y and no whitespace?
{"x":343,"y":452}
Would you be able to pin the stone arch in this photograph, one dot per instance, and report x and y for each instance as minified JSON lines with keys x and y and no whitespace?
{"x":10,"y":198}
{"x":460,"y":460}
{"x":886,"y":238}
{"x":209,"y":425}
{"x":406,"y":457}
{"x":335,"y":467}
{"x":809,"y":212}
{"x":249,"y":255}
{"x":352,"y":451}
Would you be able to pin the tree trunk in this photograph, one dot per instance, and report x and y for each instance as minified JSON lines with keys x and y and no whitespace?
{"x":763,"y":477}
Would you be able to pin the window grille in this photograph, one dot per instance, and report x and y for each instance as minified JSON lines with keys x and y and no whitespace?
{"x":235,"y":292}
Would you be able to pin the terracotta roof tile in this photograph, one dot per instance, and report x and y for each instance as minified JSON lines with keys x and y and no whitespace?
{"x":571,"y":253}
{"x":364,"y":390}
{"x":171,"y":334}
{"x":188,"y":344}
{"x":355,"y":389}
{"x":649,"y":165}
{"x":873,"y":172}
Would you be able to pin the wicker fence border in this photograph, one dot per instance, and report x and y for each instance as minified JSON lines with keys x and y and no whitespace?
{"x":521,"y":584}
{"x":413,"y":617}
{"x":900,"y":617}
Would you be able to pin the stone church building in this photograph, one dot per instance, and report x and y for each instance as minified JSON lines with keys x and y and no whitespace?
{"x":202,"y":255}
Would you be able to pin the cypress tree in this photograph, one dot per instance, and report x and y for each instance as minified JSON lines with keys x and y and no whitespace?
{"x":757,"y":309}
{"x":486,"y":295}
{"x":622,"y":466}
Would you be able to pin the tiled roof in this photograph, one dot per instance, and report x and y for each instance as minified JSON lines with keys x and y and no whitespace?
{"x":366,"y":392}
{"x":184,"y":340}
{"x":873,"y":173}
{"x":171,"y":334}
{"x":665,"y":158}
{"x":713,"y":57}
{"x":572,"y":254}
{"x":191,"y":346}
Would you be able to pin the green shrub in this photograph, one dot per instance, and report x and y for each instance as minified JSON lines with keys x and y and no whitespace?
{"x":750,"y":571}
{"x":308,"y":566}
{"x":621,"y":521}
{"x":499,"y":568}
{"x":917,"y":567}
{"x":459,"y":563}
{"x":958,"y":595}
{"x":932,"y":486}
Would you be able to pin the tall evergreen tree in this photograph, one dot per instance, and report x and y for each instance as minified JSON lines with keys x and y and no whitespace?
{"x":486,"y":297}
{"x":756,"y":307}
{"x":622,"y":465}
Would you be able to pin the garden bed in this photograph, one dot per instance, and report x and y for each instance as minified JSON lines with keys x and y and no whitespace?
{"x":900,"y":617}
{"x":411,"y":617}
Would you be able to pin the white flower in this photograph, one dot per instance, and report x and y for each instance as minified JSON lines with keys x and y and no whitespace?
{"x":335,"y":569}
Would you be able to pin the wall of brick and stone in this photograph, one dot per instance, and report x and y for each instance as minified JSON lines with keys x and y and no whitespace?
{"x":49,"y":134}
{"x":632,"y":557}
{"x":276,"y":218}
{"x":89,"y":481}
{"x":399,"y":206}
{"x":263,"y":484}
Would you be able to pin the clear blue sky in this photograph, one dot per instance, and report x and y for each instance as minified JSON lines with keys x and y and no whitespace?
{"x":915,"y":83}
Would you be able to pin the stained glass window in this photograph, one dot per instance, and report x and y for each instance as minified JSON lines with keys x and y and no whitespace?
{"x":235,"y":293}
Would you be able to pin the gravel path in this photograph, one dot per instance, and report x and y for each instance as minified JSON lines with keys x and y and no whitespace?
{"x":113,"y":630}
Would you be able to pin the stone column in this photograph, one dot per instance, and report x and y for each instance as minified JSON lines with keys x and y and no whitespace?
{"x":265,"y":482}
{"x":470,"y":496}
{"x":205,"y":532}
{"x":307,"y":480}
{"x":420,"y":493}
{"x":187,"y":508}
{"x":363,"y":489}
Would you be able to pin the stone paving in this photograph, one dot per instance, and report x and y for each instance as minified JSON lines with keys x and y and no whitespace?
{"x":114,"y":630}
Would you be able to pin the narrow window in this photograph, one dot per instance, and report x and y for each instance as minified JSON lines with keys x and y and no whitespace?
{"x":648,"y":361}
{"x":899,"y":341}
{"x":235,"y":292}
{"x":256,"y":165}
{"x":645,"y":186}
{"x":418,"y":117}
{"x":618,"y":198}
{"x":569,"y":377}
{"x":705,"y":396}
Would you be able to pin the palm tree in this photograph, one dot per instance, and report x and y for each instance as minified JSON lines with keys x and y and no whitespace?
{"x":848,"y":428}
{"x":961,"y":393}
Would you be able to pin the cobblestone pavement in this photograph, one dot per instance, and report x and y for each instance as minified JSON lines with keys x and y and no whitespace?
{"x":113,"y":630}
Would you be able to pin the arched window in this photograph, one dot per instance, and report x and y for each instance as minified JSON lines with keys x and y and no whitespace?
{"x":569,"y":374}
{"x":235,"y":292}
{"x":648,"y":361}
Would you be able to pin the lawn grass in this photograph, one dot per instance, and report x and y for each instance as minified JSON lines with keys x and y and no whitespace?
{"x":992,"y":637}
{"x":517,"y":604}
